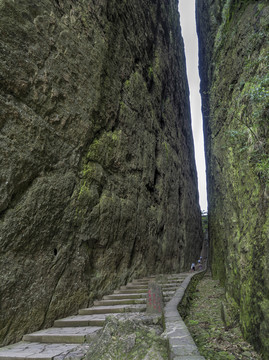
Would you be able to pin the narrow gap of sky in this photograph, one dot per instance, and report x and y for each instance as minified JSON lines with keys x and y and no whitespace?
{"x":188,"y":27}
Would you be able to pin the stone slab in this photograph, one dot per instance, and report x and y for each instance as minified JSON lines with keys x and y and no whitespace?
{"x":125,"y":296}
{"x":78,"y":353}
{"x":119,"y":302}
{"x":170,"y":283}
{"x":112,"y":309}
{"x":189,"y":358}
{"x":131,"y":291}
{"x":72,"y":335}
{"x":134,"y":286}
{"x":168,"y":292}
{"x":81,"y":320}
{"x":24,"y":350}
{"x":140,"y":281}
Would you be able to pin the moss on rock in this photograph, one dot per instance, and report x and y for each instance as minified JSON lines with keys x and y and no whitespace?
{"x":236,"y":94}
{"x":90,"y":90}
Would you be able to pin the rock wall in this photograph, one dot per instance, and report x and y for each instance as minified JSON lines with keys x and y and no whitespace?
{"x":98,"y":181}
{"x":234,"y":68}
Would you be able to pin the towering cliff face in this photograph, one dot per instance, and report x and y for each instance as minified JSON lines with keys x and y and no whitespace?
{"x":234,"y":67}
{"x":98,"y":182}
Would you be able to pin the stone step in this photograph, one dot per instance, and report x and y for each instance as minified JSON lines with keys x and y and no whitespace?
{"x":112,"y":309}
{"x":175,"y":282}
{"x":128,"y":289}
{"x":170,"y":287}
{"x":67,"y":335}
{"x":169,"y":291}
{"x":171,"y":279}
{"x":141,"y":281}
{"x":168,"y":296}
{"x":131,"y":291}
{"x":134,"y":286}
{"x":124,"y":296}
{"x":119,"y":302}
{"x":137,"y":286}
{"x":81,"y":320}
{"x":167,"y":285}
{"x":34,"y":351}
{"x":73,"y":330}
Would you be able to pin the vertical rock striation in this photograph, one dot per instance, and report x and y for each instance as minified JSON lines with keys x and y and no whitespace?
{"x":98,"y":181}
{"x":234,"y":68}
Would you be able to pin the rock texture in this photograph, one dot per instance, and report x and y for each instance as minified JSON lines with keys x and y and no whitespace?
{"x":123,"y":338}
{"x":98,"y":182}
{"x":234,"y":64}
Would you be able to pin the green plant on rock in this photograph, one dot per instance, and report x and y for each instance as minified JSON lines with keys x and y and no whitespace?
{"x":103,"y":150}
{"x":83,"y":190}
{"x":167,"y":149}
{"x":150,"y":72}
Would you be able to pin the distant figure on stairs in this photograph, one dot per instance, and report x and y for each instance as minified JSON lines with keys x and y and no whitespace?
{"x":192,"y":267}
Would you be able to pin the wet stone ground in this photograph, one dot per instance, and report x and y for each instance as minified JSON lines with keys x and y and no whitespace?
{"x":215,"y":341}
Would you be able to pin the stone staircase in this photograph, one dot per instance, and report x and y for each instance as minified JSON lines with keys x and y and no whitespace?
{"x":69,"y":336}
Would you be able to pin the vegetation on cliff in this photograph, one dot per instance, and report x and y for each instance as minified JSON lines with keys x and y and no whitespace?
{"x":235,"y":89}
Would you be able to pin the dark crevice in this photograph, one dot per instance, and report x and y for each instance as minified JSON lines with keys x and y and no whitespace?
{"x":162,"y":123}
{"x":150,"y":188}
{"x":156,"y":176}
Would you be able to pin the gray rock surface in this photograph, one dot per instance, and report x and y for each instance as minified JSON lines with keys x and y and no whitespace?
{"x":129,"y":339}
{"x":98,"y":182}
{"x":234,"y":48}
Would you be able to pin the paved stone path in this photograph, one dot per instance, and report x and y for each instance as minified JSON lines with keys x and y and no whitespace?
{"x":68,"y":338}
{"x":181,"y":344}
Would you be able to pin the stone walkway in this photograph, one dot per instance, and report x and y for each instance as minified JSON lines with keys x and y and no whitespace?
{"x":68,"y":338}
{"x":181,"y":344}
